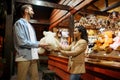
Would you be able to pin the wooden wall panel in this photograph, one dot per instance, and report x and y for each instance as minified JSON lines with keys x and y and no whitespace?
{"x":58,"y":15}
{"x":54,"y":20}
{"x":56,"y":11}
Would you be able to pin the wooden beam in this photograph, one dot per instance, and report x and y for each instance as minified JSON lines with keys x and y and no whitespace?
{"x":46,"y":22}
{"x":8,"y":45}
{"x":111,"y":7}
{"x":71,"y":26}
{"x":106,"y":3}
{"x":45,"y":4}
{"x":92,"y":2}
{"x":95,"y":7}
{"x":89,"y":11}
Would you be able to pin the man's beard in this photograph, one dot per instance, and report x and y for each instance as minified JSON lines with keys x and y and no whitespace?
{"x":31,"y":15}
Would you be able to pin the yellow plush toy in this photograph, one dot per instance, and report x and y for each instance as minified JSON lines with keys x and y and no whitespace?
{"x":98,"y":42}
{"x":107,"y":40}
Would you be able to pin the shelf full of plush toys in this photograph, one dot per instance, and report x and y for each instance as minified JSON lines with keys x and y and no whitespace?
{"x":103,"y":32}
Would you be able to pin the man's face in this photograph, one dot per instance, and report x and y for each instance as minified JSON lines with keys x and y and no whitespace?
{"x":30,"y":12}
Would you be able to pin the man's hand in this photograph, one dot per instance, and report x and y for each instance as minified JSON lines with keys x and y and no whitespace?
{"x":45,"y":46}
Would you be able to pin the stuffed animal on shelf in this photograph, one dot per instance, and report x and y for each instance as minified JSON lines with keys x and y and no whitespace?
{"x":116,"y":42}
{"x":107,"y":40}
{"x":49,"y":38}
{"x":98,"y":43}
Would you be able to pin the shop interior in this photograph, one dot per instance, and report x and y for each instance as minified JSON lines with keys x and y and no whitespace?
{"x":101,"y":18}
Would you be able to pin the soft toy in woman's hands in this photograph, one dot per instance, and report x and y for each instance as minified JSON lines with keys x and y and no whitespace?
{"x":49,"y":38}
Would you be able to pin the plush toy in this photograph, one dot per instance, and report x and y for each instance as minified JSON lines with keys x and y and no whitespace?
{"x":107,"y":40}
{"x":116,"y":42}
{"x":49,"y":38}
{"x":98,"y":42}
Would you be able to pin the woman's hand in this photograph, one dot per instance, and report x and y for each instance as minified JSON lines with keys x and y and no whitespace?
{"x":56,"y":49}
{"x":63,"y":52}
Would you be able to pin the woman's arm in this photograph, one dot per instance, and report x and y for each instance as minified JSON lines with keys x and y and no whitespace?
{"x":67,"y":48}
{"x":79,"y":48}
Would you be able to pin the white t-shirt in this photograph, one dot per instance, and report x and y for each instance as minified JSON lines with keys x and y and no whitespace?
{"x":34,"y":51}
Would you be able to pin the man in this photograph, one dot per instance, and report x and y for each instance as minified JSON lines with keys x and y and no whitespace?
{"x":26,"y":45}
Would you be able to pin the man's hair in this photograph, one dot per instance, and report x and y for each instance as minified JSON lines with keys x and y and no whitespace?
{"x":26,"y":6}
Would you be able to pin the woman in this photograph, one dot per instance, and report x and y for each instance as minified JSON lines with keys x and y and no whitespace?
{"x":75,"y":52}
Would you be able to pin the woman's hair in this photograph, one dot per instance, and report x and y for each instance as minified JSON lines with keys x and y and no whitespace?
{"x":83,"y":31}
{"x":25,"y":6}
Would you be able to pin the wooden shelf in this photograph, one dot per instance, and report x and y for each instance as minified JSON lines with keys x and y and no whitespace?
{"x":104,"y":70}
{"x":113,"y":56}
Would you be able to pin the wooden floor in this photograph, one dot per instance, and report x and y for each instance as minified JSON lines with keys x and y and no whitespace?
{"x":40,"y":75}
{"x":14,"y":77}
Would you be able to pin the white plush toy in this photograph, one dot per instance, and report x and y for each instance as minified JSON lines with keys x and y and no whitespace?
{"x":49,"y":38}
{"x":116,"y":42}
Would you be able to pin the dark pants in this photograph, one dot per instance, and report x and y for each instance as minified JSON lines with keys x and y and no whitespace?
{"x":75,"y":77}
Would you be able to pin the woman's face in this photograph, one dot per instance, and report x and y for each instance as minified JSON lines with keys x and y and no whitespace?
{"x":76,"y":33}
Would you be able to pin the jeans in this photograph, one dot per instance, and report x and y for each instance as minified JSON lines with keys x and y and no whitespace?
{"x":75,"y":77}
